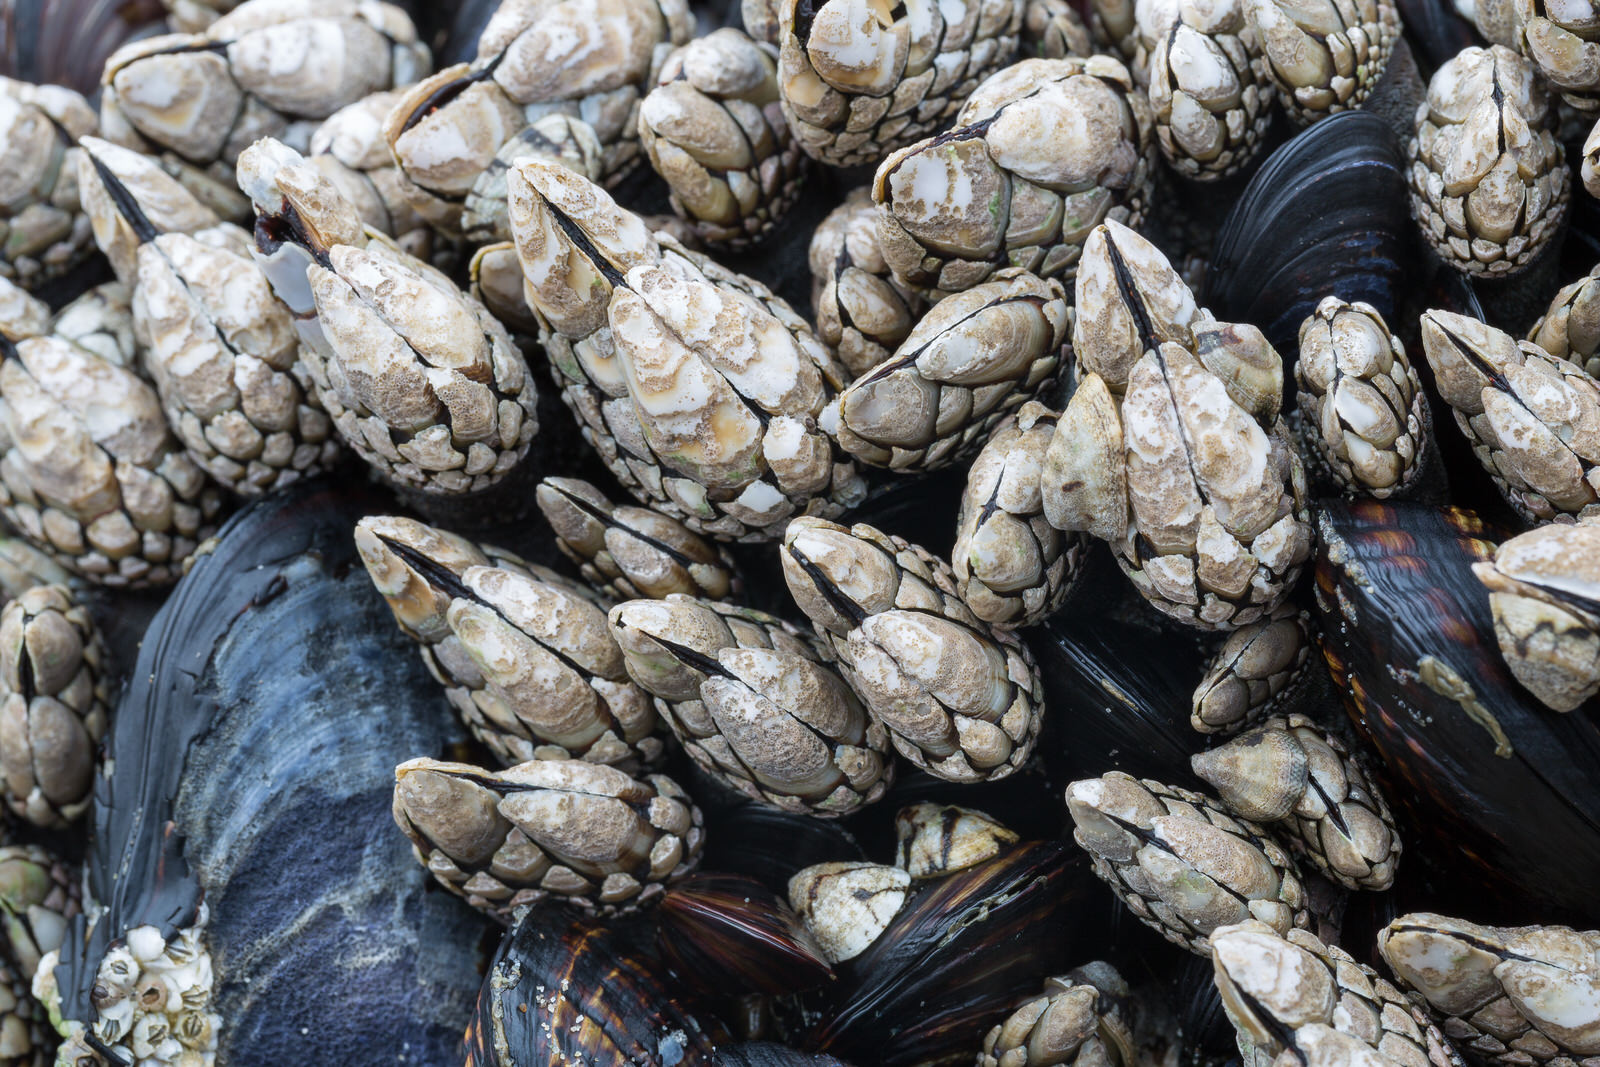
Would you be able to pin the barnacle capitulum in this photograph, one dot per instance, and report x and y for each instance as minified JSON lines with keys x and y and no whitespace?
{"x":1260,"y":667}
{"x":847,"y":904}
{"x":251,"y":73}
{"x":1489,"y":180}
{"x":1544,"y":590}
{"x":1297,"y":777}
{"x":863,"y":311}
{"x":418,"y":378}
{"x":1560,"y":42}
{"x":39,"y":896}
{"x":1326,"y":56}
{"x":1181,"y":862}
{"x":100,"y":320}
{"x":961,"y":699}
{"x":1506,"y":994}
{"x":1078,"y":1018}
{"x":859,"y":80}
{"x":43,"y":232}
{"x":1533,"y":420}
{"x":112,"y":178}
{"x":1041,"y":153}
{"x":1295,"y":1000}
{"x":971,"y":359}
{"x":558,"y":831}
{"x":632,"y":552}
{"x":1012,"y":567}
{"x":350,"y":150}
{"x":221,"y":348}
{"x":752,"y":702}
{"x":524,"y":655}
{"x":933,"y":840}
{"x":91,"y":473}
{"x":1570,"y":327}
{"x":1210,"y":91}
{"x":557,"y":137}
{"x":54,"y":692}
{"x":1361,"y":407}
{"x":592,"y":60}
{"x":701,"y":390}
{"x":1127,"y":300}
{"x":714,"y":131}
{"x":1187,"y":469}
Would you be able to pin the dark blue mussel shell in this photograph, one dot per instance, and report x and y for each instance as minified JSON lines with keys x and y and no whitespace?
{"x":1498,"y":796}
{"x":254,"y":754}
{"x":1328,"y":214}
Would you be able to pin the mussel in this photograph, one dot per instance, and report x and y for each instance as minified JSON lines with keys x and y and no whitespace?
{"x":253,"y":758}
{"x":1498,"y":792}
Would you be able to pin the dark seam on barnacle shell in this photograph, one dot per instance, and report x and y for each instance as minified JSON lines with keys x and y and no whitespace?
{"x":124,"y":201}
{"x":639,"y":535}
{"x":446,"y":93}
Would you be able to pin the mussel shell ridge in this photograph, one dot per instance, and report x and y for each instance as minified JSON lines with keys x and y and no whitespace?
{"x":254,"y":754}
{"x":1494,"y":788}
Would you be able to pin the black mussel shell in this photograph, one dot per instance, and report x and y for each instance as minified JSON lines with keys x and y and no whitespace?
{"x":1497,"y":793}
{"x":1435,"y":31}
{"x":771,"y":845}
{"x":1028,"y":802}
{"x":728,"y":934}
{"x":567,"y":989}
{"x":1207,"y":1034}
{"x":1119,"y":696}
{"x":768,"y":1054}
{"x":1328,"y":214}
{"x":66,"y":42}
{"x":957,"y":958}
{"x":253,"y":759}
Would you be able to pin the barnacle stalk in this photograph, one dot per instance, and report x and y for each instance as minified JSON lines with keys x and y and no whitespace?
{"x":974,"y":357}
{"x":752,"y":703}
{"x":205,"y":97}
{"x":1489,"y":180}
{"x":1360,"y":404}
{"x":1210,"y":91}
{"x":629,"y":552}
{"x":1181,"y":863}
{"x":701,"y":389}
{"x":714,"y":131}
{"x":43,"y":232}
{"x":1508,"y":994}
{"x":863,"y":311}
{"x":547,"y":830}
{"x":592,"y":60}
{"x":961,"y":699}
{"x":90,"y":471}
{"x":1011,"y":566}
{"x":1078,"y":1018}
{"x":1258,"y":669}
{"x":1041,"y":153}
{"x":1189,"y":474}
{"x":525,"y":657}
{"x":860,"y":80}
{"x":933,"y":840}
{"x":1295,"y":1000}
{"x":1326,"y":56}
{"x":1533,"y":420}
{"x":53,"y":704}
{"x":39,"y":896}
{"x":1570,"y":327}
{"x":1294,"y":776}
{"x":1544,"y":590}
